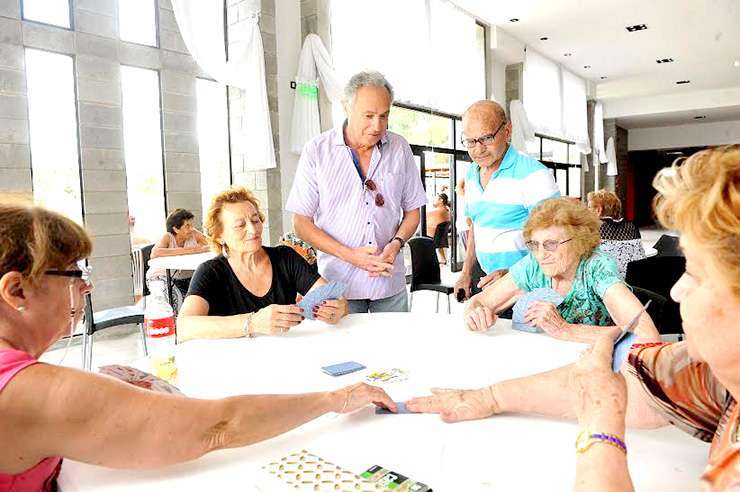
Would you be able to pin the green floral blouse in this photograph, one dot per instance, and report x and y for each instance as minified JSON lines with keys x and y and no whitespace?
{"x":583,"y":304}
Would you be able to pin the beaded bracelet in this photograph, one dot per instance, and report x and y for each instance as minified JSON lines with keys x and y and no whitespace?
{"x":646,"y":345}
{"x":586,"y":438}
{"x":247,"y":328}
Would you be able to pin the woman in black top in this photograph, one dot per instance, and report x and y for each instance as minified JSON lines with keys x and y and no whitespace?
{"x":249,"y":288}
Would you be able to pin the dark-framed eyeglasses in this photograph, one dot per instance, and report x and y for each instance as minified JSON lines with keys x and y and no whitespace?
{"x":550,"y":245}
{"x":84,"y":274}
{"x":484,"y":140}
{"x":373,"y":188}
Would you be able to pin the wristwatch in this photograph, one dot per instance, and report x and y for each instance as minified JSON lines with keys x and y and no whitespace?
{"x":400,"y":240}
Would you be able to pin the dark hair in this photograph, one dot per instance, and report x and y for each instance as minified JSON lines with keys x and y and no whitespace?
{"x":445,"y":199}
{"x":177,"y":218}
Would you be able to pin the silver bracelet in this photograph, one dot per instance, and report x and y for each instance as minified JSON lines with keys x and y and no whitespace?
{"x":246,"y":329}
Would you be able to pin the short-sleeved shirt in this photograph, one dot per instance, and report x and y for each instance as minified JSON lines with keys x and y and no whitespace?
{"x":584,"y":303}
{"x":500,"y":211}
{"x":216,"y":282}
{"x":328,"y":187}
{"x":690,"y":397}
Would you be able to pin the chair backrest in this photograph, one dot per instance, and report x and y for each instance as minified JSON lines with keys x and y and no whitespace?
{"x":442,"y":230}
{"x":424,"y":263}
{"x":656,"y":310}
{"x":658,"y":274}
{"x":668,"y":246}
{"x":146,"y":254}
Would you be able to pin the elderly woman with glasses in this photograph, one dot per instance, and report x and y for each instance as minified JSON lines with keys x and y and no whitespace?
{"x":562,"y":236}
{"x":51,"y":412}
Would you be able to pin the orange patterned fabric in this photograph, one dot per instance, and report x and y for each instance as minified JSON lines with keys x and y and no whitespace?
{"x":688,"y":395}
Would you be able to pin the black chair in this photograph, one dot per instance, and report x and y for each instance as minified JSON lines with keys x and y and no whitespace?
{"x":441,"y":234}
{"x":117,"y":316}
{"x":655,"y":310}
{"x":658,"y":274}
{"x":668,"y":246}
{"x":425,"y":273}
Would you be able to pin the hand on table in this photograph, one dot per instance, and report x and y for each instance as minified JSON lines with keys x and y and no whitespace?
{"x":331,"y":310}
{"x":599,"y":395}
{"x":375,"y":264}
{"x":276,"y":319}
{"x":358,"y":395}
{"x":455,"y":405}
{"x":545,"y":315}
{"x":479,"y":317}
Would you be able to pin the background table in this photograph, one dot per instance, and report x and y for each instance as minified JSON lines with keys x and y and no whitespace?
{"x":179,"y":262}
{"x":507,"y":452}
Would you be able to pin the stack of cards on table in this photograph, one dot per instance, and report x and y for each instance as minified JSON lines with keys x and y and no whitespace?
{"x":139,"y":378}
{"x":331,"y":290}
{"x":305,"y":471}
{"x":545,"y":294}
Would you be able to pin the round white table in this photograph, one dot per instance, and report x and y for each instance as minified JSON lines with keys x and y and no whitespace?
{"x":510,"y":452}
{"x":181,"y":262}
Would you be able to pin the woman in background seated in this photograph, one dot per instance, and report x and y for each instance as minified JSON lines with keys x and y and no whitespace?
{"x":439,"y":215}
{"x":249,"y":288}
{"x":562,"y":236}
{"x":181,"y":238}
{"x":620,"y":238}
{"x":52,"y":412}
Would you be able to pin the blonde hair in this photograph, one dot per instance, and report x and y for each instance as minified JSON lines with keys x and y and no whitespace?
{"x":235,"y":194}
{"x":607,"y":201}
{"x":700,"y":196}
{"x":34,"y":240}
{"x":580,"y":222}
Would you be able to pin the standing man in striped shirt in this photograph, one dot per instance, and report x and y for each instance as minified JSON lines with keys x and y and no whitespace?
{"x":356,"y":198}
{"x":501,"y":189}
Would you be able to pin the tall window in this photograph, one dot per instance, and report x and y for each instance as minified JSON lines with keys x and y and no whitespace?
{"x":53,"y":12}
{"x":53,"y":125}
{"x":137,"y":21}
{"x":142,"y":147}
{"x":213,"y":140}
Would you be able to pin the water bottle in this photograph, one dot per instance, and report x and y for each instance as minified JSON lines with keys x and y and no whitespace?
{"x":159,"y":327}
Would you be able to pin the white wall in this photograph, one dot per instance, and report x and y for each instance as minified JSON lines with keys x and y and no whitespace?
{"x":692,"y":135}
{"x":497,"y":82}
{"x":288,"y":33}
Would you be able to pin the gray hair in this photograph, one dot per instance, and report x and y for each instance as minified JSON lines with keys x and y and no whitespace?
{"x":365,"y":79}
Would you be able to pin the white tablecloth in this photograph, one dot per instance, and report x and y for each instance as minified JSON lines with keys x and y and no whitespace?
{"x":181,"y":262}
{"x":502,"y":453}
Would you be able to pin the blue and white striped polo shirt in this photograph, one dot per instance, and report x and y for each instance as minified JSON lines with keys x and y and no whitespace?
{"x":500,"y":211}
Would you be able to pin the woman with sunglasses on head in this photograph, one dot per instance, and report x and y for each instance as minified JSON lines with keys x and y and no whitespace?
{"x":562,"y":236}
{"x":51,"y":412}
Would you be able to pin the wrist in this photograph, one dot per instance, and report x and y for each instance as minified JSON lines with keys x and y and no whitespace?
{"x":494,"y":399}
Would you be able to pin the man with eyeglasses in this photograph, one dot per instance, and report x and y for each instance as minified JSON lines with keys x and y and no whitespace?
{"x":502,"y":186}
{"x":356,"y":197}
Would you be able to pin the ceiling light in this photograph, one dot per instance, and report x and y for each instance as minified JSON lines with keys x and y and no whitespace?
{"x":587,"y":67}
{"x":603,"y":77}
{"x":636,"y":27}
{"x":680,"y":82}
{"x":737,"y":63}
{"x":664,"y":60}
{"x":567,"y":54}
{"x":514,"y":20}
{"x":701,"y":117}
{"x":545,"y":38}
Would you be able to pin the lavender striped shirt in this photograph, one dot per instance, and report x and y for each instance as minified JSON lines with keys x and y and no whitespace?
{"x":328,"y":188}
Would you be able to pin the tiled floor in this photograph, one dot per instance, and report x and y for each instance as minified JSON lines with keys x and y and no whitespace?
{"x":122,"y":345}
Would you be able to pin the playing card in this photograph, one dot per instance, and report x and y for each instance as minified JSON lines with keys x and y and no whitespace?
{"x":624,"y":341}
{"x":544,"y":294}
{"x":139,"y":378}
{"x":400,"y":408}
{"x":386,"y":376}
{"x":331,"y":290}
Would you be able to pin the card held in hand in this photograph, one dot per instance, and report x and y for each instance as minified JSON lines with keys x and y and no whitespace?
{"x":313,"y":298}
{"x":544,"y":294}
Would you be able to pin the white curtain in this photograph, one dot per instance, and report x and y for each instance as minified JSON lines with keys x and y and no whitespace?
{"x":611,"y":158}
{"x":521,"y":131}
{"x":542,"y":94}
{"x":599,"y":155}
{"x":201,"y":24}
{"x":575,"y":114}
{"x":314,"y":63}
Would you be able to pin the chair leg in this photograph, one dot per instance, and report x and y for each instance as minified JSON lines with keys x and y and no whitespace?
{"x":84,"y":349}
{"x":411,"y":300}
{"x":143,"y":340}
{"x":88,"y":353}
{"x":437,"y":307}
{"x":449,"y":307}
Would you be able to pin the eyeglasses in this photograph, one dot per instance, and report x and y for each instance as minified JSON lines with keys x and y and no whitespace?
{"x":484,"y":140}
{"x":372,"y":187}
{"x":84,"y":274}
{"x":550,"y":245}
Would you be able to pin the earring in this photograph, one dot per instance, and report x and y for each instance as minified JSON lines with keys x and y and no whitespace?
{"x":21,"y":308}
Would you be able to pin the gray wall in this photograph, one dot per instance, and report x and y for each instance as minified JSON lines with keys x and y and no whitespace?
{"x":98,"y":52}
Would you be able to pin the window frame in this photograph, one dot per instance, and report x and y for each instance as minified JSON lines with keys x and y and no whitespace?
{"x":41,"y":23}
{"x":157,"y":40}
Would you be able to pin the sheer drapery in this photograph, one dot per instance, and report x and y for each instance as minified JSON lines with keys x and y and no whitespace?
{"x":575,"y":114}
{"x":314,"y":63}
{"x":201,"y":24}
{"x":542,"y":94}
{"x":599,"y":155}
{"x":521,"y":131}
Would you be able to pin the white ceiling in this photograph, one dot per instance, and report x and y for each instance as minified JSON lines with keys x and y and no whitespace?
{"x":727,"y":113}
{"x":702,"y":36}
